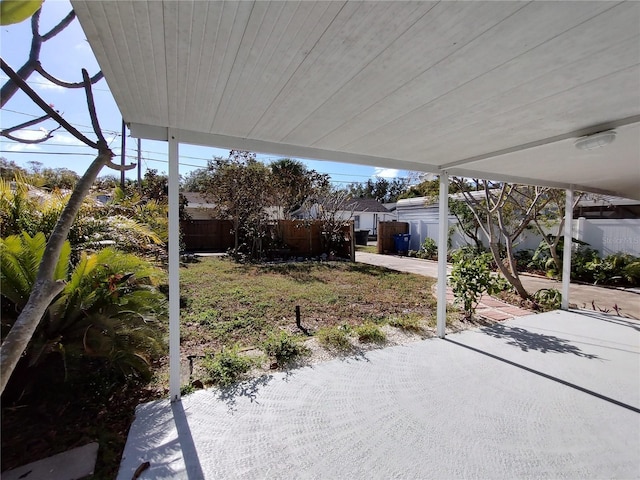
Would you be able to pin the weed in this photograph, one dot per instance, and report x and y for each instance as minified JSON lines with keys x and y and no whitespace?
{"x":548,"y":298}
{"x":334,"y":337}
{"x":370,"y":333}
{"x":227,"y":367}
{"x":208,"y":317}
{"x":187,"y":389}
{"x":410,"y":322}
{"x":284,"y":347}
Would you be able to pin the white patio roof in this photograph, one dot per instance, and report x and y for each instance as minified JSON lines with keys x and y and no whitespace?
{"x":489,"y":89}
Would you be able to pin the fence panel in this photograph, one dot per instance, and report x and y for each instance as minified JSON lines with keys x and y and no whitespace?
{"x":386,"y":231}
{"x":209,"y":235}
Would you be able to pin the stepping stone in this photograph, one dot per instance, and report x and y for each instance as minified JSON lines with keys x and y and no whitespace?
{"x":70,"y":465}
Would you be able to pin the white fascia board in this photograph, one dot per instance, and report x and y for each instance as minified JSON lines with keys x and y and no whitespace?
{"x":152,"y":132}
{"x":500,"y":177}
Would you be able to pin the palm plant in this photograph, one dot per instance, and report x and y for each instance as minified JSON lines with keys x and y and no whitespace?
{"x":109,"y":308}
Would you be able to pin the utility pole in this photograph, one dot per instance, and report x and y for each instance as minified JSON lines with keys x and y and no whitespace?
{"x":139,"y":166}
{"x":122,"y":154}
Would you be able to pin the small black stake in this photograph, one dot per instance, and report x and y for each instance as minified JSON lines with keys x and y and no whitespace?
{"x":298,"y":323}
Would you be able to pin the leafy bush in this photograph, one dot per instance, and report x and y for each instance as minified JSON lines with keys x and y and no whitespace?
{"x":334,"y":337}
{"x":227,"y":367}
{"x":108,"y":310}
{"x":611,"y":269}
{"x":370,"y":333}
{"x":471,"y":277}
{"x":524,"y":259}
{"x":429,"y":249}
{"x":284,"y":347}
{"x":548,"y":298}
{"x":631,"y":272}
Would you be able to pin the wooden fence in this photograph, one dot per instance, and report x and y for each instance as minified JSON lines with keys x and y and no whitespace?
{"x":305,"y":238}
{"x":207,"y":235}
{"x":386,"y":231}
{"x":288,"y":238}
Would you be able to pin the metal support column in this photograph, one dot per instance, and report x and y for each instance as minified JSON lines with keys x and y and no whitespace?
{"x":443,"y":231}
{"x":566,"y":257}
{"x":174,"y":270}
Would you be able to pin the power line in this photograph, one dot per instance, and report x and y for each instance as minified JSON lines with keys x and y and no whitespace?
{"x":51,"y":84}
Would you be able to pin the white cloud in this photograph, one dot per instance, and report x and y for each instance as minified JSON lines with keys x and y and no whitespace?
{"x":386,"y":172}
{"x":40,"y":83}
{"x":21,"y":147}
{"x":30,"y":134}
{"x":66,"y":139}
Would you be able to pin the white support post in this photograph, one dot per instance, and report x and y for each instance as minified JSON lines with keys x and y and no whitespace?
{"x":443,"y":230}
{"x":174,"y":270}
{"x":566,"y":257}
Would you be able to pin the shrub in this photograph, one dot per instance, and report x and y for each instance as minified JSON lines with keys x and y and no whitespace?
{"x":109,"y":308}
{"x":370,"y":333}
{"x":631,"y":273}
{"x":429,"y":249}
{"x":471,"y":277}
{"x":334,"y":337}
{"x":284,"y":347}
{"x":227,"y":367}
{"x":410,"y":322}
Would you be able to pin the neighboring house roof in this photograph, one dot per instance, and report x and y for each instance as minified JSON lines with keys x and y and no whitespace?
{"x":429,"y":202}
{"x":605,"y":200}
{"x":195,"y":199}
{"x":365,"y":205}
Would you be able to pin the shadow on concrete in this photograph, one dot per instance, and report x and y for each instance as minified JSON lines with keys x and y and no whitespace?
{"x":189,"y":452}
{"x":547,"y":376}
{"x":248,"y":389}
{"x":527,"y":340}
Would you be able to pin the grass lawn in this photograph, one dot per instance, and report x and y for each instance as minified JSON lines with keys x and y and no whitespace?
{"x":226,"y":304}
{"x":367,"y":248}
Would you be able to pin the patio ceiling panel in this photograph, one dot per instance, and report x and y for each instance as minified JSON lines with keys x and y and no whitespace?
{"x":496,"y":89}
{"x":394,"y":82}
{"x":495,"y":38}
{"x":546,"y":79}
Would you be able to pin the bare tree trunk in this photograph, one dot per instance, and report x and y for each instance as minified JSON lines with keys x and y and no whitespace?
{"x":45,"y":288}
{"x":514,"y":280}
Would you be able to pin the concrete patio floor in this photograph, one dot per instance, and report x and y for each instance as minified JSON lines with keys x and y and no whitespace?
{"x":555,"y":395}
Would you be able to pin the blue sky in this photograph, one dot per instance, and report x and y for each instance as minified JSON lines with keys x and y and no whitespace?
{"x":64,"y":56}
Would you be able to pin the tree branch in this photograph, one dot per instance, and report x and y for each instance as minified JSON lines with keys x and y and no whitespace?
{"x":31,"y":142}
{"x":64,"y":23}
{"x":61,"y":83}
{"x":92,"y":109}
{"x":45,"y":107}
{"x":26,"y":124}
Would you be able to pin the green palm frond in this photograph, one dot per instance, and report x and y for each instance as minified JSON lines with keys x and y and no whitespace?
{"x":21,"y":256}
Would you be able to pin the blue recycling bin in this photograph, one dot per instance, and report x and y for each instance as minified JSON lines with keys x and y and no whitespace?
{"x":402,"y":241}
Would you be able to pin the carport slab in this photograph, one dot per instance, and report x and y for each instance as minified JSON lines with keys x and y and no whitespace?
{"x":555,"y":395}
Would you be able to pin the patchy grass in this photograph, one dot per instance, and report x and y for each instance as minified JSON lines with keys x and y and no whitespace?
{"x":370,"y":333}
{"x":367,"y":249}
{"x":227,"y":367}
{"x":410,"y":321}
{"x":335,"y":338}
{"x":284,"y":347}
{"x":225,"y":303}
